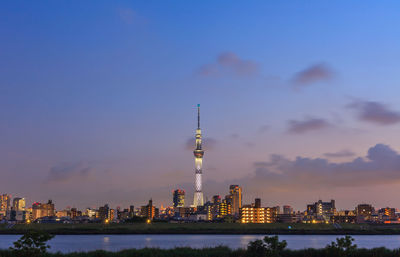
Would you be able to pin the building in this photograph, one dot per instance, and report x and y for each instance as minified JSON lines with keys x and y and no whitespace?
{"x":364,"y":210}
{"x":236,"y":199}
{"x":254,"y":213}
{"x":287,"y":209}
{"x":224,"y":208}
{"x":131,"y":211}
{"x":213,"y":207}
{"x":149,"y":211}
{"x":104,"y":212}
{"x":365,"y":213}
{"x":91,"y":213}
{"x":19,"y":204}
{"x":40,"y":210}
{"x":178,"y":198}
{"x":62,"y":214}
{"x":198,"y":199}
{"x":5,"y":202}
{"x":387,"y":214}
{"x":322,"y":211}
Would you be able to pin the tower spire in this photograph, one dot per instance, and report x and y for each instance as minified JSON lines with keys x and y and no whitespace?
{"x":198,"y":116}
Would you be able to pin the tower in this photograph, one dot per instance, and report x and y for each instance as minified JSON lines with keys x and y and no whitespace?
{"x":198,"y":154}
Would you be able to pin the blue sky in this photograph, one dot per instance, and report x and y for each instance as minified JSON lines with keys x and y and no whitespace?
{"x":98,"y":98}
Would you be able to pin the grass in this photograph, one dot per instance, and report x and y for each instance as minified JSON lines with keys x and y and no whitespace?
{"x":216,"y":252}
{"x":204,"y":228}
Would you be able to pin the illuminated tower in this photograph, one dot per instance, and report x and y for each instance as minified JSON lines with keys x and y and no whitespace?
{"x":198,"y":154}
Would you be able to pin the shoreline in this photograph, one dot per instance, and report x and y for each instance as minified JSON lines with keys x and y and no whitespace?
{"x":205,"y":229}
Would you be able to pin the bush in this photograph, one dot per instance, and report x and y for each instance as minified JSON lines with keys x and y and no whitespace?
{"x":31,"y":244}
{"x":269,"y":246}
{"x":342,"y":247}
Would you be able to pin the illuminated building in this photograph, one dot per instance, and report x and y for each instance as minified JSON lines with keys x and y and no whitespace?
{"x":365,"y":213}
{"x":178,"y":198}
{"x":111,"y":214}
{"x":131,"y":211}
{"x":73,"y":213}
{"x":251,"y":214}
{"x":322,"y":211}
{"x":91,"y":213}
{"x":198,"y":154}
{"x":364,"y":210}
{"x":5,"y":202}
{"x":345,"y":216}
{"x":40,"y":210}
{"x":254,"y":213}
{"x":19,"y":204}
{"x":104,"y":212}
{"x":213,"y":207}
{"x":149,"y":211}
{"x":236,"y":195}
{"x":390,"y":213}
{"x":287,"y":209}
{"x":225,"y":209}
{"x":62,"y":214}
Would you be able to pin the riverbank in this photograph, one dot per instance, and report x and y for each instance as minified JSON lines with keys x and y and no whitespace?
{"x":217,"y":252}
{"x":207,"y":228}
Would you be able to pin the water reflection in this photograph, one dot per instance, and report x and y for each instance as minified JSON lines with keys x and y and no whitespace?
{"x":71,"y":243}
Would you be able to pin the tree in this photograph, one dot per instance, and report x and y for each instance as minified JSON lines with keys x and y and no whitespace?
{"x":269,"y":246}
{"x":31,"y":244}
{"x":342,"y":247}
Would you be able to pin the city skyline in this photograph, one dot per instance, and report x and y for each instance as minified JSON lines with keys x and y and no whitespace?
{"x":299,"y":101}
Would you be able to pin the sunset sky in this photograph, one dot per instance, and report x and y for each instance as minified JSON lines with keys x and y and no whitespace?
{"x":299,"y":100}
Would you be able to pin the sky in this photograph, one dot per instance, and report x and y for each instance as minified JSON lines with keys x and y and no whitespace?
{"x":299,"y":101}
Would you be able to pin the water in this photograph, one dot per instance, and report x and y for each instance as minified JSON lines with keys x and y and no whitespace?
{"x":72,"y":243}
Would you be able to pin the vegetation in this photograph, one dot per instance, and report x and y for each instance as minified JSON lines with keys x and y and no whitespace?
{"x":32,"y":244}
{"x":204,"y":228}
{"x":268,"y":247}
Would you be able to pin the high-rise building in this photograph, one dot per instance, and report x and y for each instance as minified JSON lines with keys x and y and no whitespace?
{"x":131,"y":211}
{"x":104,"y":212}
{"x":19,"y":204}
{"x":40,"y":210}
{"x":178,"y":198}
{"x":5,"y":202}
{"x":149,"y":211}
{"x":198,"y":154}
{"x":236,"y":195}
{"x":224,"y":208}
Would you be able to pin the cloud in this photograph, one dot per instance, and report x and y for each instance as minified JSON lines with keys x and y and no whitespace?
{"x":208,"y":143}
{"x":234,"y":136}
{"x":380,"y":166}
{"x":313,"y":74}
{"x":375,"y":112}
{"x":340,"y":154}
{"x":263,"y":129}
{"x":229,"y":63}
{"x":65,"y":171}
{"x":306,"y":125}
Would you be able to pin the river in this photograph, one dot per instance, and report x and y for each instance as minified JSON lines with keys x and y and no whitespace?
{"x":72,"y":243}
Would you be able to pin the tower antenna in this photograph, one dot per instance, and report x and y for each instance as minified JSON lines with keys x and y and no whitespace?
{"x":198,"y":116}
